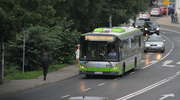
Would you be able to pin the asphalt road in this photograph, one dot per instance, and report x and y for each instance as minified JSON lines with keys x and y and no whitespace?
{"x":157,"y":79}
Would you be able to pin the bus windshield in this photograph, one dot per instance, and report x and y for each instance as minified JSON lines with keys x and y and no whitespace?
{"x":99,"y":51}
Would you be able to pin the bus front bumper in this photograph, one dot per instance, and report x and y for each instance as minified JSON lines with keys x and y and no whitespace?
{"x":98,"y":73}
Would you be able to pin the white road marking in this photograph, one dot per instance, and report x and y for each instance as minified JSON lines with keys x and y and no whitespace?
{"x":166,"y":96}
{"x":150,"y":87}
{"x":164,"y":56}
{"x":154,"y":61}
{"x":142,"y":61}
{"x":101,"y":84}
{"x":167,"y":63}
{"x":86,"y":90}
{"x":178,"y":63}
{"x":170,"y":30}
{"x":132,"y":73}
{"x":65,"y":96}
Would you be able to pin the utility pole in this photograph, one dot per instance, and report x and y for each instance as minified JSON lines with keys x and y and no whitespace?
{"x":24,"y":50}
{"x":110,"y":21}
{"x":2,"y":62}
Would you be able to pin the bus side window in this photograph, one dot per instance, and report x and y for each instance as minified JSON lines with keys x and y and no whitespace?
{"x":120,"y":50}
{"x":125,"y":49}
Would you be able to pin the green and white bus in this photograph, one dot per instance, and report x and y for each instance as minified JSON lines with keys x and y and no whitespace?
{"x":110,"y":51}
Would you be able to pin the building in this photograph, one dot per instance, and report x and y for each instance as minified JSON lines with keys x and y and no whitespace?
{"x":178,"y":6}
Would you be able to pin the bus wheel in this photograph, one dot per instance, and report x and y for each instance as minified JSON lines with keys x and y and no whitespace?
{"x":135,"y":62}
{"x":88,"y":76}
{"x":124,"y":68}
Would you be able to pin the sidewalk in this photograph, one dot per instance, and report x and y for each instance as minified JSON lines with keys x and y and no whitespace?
{"x":19,"y":85}
{"x":166,"y":20}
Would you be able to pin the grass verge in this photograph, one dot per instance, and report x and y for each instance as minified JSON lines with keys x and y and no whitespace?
{"x":17,"y":75}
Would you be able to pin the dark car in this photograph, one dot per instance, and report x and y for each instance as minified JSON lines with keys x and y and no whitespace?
{"x":151,"y":28}
{"x":139,"y":24}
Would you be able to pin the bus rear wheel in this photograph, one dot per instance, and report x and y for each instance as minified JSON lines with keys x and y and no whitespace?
{"x":124,"y":68}
{"x":88,"y":76}
{"x":135,"y":62}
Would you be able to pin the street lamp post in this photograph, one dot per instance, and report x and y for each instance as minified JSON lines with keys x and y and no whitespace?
{"x":110,"y":21}
{"x":24,"y":50}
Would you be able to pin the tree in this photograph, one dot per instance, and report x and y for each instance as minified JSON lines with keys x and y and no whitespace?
{"x":5,"y":34}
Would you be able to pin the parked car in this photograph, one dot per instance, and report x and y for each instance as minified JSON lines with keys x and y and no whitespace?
{"x":156,"y":12}
{"x":151,"y":28}
{"x":144,"y":16}
{"x":154,"y":43}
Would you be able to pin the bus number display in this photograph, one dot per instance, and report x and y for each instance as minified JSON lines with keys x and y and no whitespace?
{"x":99,"y":38}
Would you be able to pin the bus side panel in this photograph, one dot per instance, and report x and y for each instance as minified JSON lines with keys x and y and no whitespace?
{"x":100,"y":67}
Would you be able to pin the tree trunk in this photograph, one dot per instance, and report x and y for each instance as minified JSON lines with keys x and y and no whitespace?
{"x":2,"y":63}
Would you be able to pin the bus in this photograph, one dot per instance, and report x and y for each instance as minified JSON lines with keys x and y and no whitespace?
{"x":110,"y":51}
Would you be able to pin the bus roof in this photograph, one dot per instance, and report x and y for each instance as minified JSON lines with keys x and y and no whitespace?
{"x":120,"y":32}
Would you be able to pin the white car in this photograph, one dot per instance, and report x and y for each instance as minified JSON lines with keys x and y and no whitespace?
{"x":145,"y":16}
{"x":154,"y":43}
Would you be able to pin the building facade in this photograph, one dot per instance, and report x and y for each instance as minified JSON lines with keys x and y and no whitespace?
{"x":178,"y":6}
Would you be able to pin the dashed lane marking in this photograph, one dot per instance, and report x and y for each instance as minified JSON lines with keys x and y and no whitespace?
{"x":167,"y":64}
{"x":142,"y":61}
{"x":101,"y":84}
{"x":65,"y":96}
{"x":86,"y":90}
{"x":154,"y":61}
{"x":132,"y":73}
{"x":178,"y":63}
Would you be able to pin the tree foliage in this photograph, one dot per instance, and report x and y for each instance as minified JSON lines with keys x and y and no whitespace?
{"x":57,"y":24}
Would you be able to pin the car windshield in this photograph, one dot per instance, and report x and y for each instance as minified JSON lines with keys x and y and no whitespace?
{"x":155,"y":9}
{"x":154,"y":39}
{"x":151,"y":24}
{"x":139,"y":22}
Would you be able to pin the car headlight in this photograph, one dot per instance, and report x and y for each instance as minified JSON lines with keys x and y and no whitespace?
{"x":147,"y":45}
{"x":146,"y":29}
{"x":157,"y":28}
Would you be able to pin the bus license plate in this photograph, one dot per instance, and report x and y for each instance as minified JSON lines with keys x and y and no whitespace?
{"x":98,"y":72}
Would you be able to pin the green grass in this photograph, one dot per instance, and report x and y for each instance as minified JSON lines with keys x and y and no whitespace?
{"x":33,"y":74}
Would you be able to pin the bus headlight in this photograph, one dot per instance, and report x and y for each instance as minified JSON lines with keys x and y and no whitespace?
{"x":146,"y":29}
{"x":157,"y":29}
{"x":82,"y":67}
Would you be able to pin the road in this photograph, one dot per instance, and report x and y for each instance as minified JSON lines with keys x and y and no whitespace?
{"x":157,"y":79}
